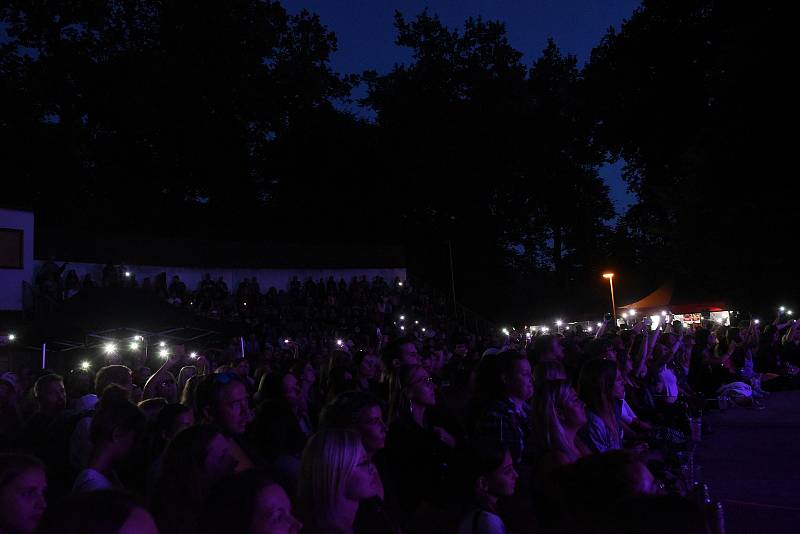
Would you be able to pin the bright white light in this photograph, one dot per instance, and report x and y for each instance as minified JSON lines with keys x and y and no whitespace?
{"x":423,"y":329}
{"x":164,"y":353}
{"x":402,"y":317}
{"x":789,"y":312}
{"x":416,"y":322}
{"x":400,"y":284}
{"x":719,"y":320}
{"x":339,"y":342}
{"x":286,"y":341}
{"x":505,"y":331}
{"x":127,"y":274}
{"x":633,"y":312}
{"x":782,"y":308}
{"x":566,"y":328}
{"x":559,"y":323}
{"x":758,"y":322}
{"x":656,"y":320}
{"x":162,"y":344}
{"x":402,"y":327}
{"x":134,"y":345}
{"x":624,"y":315}
{"x":589,"y":328}
{"x":528,"y":335}
{"x":85,"y":365}
{"x":244,"y":303}
{"x":545,"y":329}
{"x":193,"y":355}
{"x":11,"y":337}
{"x":663,"y":313}
{"x":110,"y":348}
{"x":599,"y":325}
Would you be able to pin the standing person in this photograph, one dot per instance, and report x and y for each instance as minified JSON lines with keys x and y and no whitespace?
{"x":22,"y":493}
{"x":418,"y":450}
{"x":336,"y":475}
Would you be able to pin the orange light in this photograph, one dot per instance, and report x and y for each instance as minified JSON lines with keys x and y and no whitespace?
{"x":608,"y":275}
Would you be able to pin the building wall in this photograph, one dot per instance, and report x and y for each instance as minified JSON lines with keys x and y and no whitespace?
{"x":11,"y":279}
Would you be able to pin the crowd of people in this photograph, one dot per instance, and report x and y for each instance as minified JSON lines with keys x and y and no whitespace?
{"x":362,"y":408}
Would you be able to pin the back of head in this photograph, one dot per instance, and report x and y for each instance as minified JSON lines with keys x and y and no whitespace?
{"x":231,"y":503}
{"x":591,"y":488}
{"x":42,"y":382}
{"x":393,"y":351}
{"x":112,"y":374}
{"x":473,"y":459}
{"x":542,"y":347}
{"x":13,"y":465}
{"x":209,"y":391}
{"x":548,"y":370}
{"x":184,"y":481}
{"x":399,"y":381}
{"x":270,"y":389}
{"x":328,"y":461}
{"x":115,"y":413}
{"x":595,"y":384}
{"x":344,"y":410}
{"x":548,"y":398}
{"x":95,"y":512}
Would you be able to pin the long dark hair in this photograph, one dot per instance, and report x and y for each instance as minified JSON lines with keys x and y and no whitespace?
{"x":184,"y":482}
{"x":230,"y":505}
{"x":595,"y":388}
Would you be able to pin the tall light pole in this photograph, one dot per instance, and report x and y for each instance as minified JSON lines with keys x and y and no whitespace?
{"x":610,"y":277}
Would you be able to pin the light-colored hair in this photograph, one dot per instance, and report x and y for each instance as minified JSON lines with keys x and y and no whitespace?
{"x":329,"y":458}
{"x":550,"y":397}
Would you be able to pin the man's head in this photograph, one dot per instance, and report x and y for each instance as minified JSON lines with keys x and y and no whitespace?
{"x":401,"y":351}
{"x":50,"y":394}
{"x":113,"y":374}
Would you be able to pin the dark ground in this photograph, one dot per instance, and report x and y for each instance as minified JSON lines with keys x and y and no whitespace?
{"x":751,"y":461}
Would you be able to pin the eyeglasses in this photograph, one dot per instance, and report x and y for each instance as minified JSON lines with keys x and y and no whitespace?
{"x":428,"y":381}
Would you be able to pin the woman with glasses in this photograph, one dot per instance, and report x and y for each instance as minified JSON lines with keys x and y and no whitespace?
{"x":418,"y":450}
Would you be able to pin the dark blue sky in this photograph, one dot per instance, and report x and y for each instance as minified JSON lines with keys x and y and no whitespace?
{"x":366,"y":33}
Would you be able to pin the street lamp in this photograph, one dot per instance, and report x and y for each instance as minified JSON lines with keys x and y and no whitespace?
{"x":610,"y":277}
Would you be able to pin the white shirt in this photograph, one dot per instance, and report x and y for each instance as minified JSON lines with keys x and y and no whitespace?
{"x":670,"y":382}
{"x":485,"y":523}
{"x":91,"y":480}
{"x":627,"y":414}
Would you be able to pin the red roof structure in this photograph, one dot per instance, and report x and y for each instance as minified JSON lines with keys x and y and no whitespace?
{"x":667,"y":298}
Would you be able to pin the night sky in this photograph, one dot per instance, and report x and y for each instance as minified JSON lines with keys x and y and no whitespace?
{"x":366,"y":34}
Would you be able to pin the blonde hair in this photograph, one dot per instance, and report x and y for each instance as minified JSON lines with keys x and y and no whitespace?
{"x":329,"y":458}
{"x":549,"y":397}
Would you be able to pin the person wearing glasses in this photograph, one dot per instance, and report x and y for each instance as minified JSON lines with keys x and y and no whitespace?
{"x":418,"y":449}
